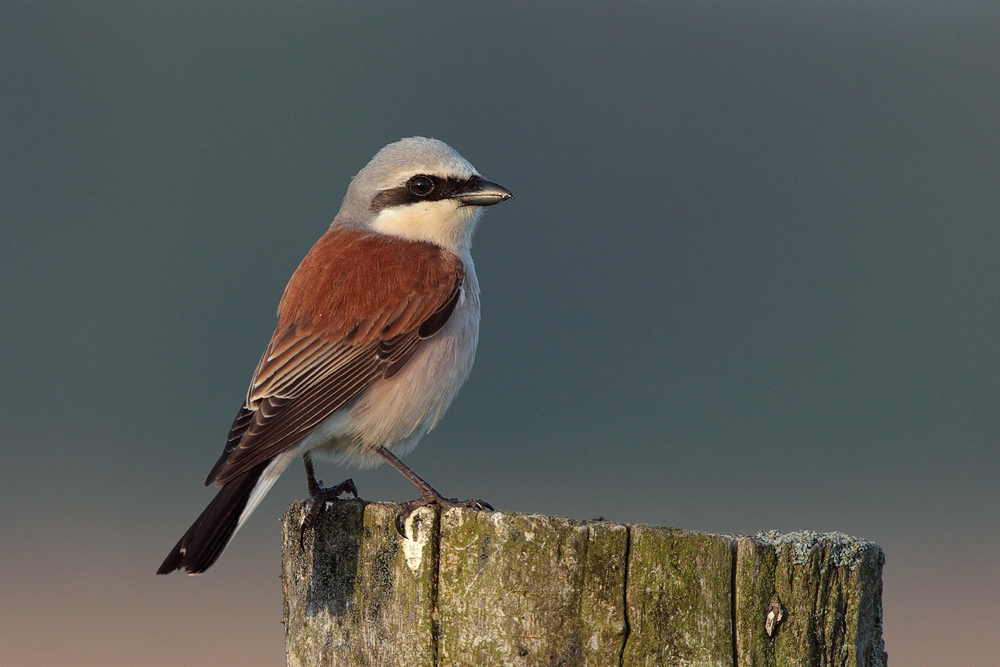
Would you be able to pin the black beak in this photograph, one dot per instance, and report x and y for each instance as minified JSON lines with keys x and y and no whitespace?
{"x":484,"y":193}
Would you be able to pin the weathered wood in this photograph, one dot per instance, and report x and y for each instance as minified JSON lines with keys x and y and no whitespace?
{"x":356,"y":593}
{"x":679,"y":596}
{"x":755,"y":567}
{"x":516,"y":589}
{"x":499,"y":588}
{"x":830,"y":588}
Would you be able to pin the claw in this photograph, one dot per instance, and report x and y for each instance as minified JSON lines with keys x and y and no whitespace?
{"x":318,"y":497}
{"x":433,"y":500}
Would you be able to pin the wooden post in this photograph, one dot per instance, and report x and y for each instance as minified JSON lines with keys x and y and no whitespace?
{"x":470,"y":588}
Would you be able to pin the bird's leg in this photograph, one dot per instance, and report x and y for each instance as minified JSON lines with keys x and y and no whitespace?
{"x":428,"y":495}
{"x":319,"y":495}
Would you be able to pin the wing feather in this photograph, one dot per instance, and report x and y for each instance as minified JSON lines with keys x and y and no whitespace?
{"x":355,"y":311}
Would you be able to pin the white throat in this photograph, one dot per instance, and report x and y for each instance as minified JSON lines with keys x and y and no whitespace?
{"x":442,"y":223}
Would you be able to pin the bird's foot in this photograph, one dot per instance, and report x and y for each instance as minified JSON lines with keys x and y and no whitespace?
{"x":319,"y":495}
{"x":434,"y":499}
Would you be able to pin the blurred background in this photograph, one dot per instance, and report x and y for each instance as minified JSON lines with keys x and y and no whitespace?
{"x":749,"y":282}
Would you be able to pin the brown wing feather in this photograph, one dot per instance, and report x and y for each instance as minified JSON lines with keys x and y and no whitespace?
{"x":355,"y":311}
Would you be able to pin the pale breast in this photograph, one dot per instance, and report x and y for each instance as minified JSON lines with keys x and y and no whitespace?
{"x":397,"y":412}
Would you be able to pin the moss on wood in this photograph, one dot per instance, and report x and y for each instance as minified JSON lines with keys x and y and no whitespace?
{"x":500,"y":588}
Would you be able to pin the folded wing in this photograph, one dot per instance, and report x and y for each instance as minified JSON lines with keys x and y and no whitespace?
{"x":355,"y":311}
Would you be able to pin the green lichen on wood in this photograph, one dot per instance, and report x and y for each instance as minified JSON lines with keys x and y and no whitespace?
{"x":369,"y":597}
{"x":498,"y":588}
{"x":830,"y":587}
{"x":602,"y":607}
{"x":755,"y":567}
{"x":679,"y":598}
{"x":513,"y":589}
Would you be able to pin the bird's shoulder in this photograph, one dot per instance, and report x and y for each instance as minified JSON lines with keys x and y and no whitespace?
{"x":357,"y":286}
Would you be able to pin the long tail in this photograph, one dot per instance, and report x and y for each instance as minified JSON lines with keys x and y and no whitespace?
{"x":208,"y":537}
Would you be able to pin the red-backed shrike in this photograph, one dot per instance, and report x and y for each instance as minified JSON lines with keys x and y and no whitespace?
{"x":377,"y":330}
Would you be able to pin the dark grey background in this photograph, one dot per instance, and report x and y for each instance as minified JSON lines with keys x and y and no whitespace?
{"x":749,"y":282}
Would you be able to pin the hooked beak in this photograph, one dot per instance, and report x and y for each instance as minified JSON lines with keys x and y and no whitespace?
{"x":484,"y":193}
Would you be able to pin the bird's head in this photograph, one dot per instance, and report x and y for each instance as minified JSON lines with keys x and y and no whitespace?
{"x":422,"y":190}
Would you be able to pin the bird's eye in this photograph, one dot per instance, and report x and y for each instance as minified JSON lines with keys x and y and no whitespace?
{"x":421,"y":185}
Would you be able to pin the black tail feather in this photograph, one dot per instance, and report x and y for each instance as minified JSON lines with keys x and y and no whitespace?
{"x":207,"y":538}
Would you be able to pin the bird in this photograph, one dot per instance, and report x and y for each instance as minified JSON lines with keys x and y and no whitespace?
{"x":377,"y":331}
